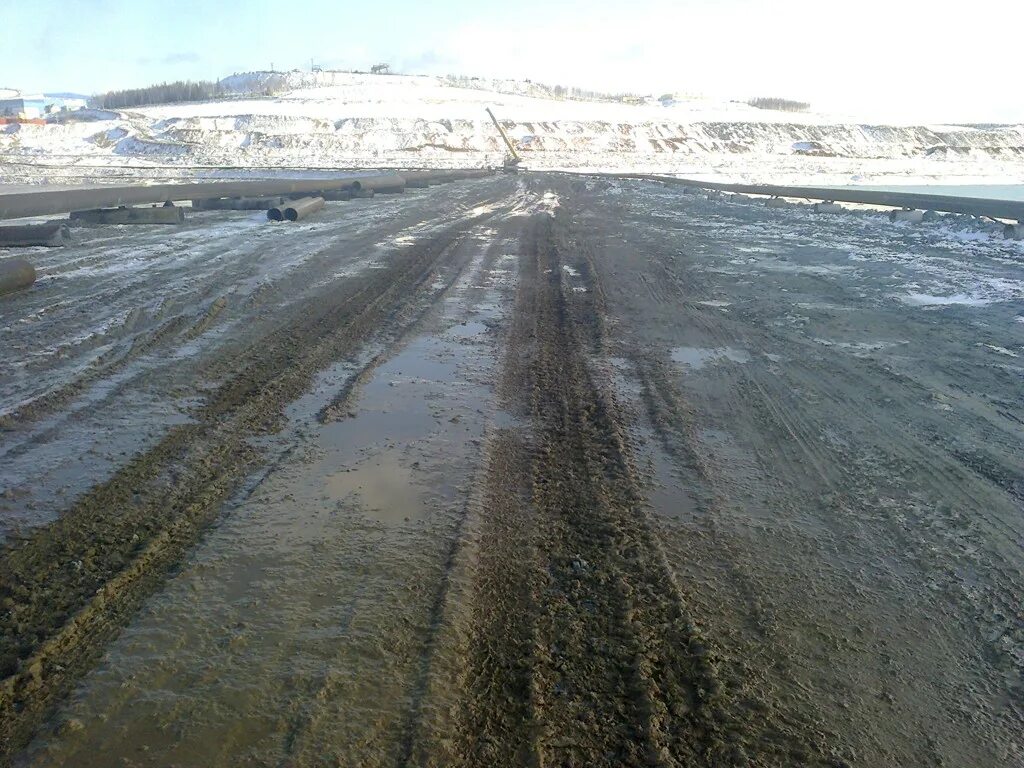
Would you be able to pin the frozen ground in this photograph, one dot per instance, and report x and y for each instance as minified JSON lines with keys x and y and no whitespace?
{"x":331,"y":120}
{"x":529,"y":470}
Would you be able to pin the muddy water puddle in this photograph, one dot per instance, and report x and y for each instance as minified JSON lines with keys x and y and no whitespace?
{"x":296,"y":631}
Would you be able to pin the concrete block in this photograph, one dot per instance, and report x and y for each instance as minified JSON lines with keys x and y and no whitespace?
{"x":52,"y":233}
{"x":909,"y":215}
{"x":124,"y":215}
{"x":828,"y":208}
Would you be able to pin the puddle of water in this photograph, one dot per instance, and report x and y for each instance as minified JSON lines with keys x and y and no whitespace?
{"x":698,"y":357}
{"x":467,"y":330}
{"x":382,"y":487}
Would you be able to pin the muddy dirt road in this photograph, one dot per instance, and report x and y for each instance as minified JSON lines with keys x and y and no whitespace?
{"x":519,"y":471}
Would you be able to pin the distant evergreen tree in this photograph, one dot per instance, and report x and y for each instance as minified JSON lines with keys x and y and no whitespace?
{"x":162,"y":93}
{"x":783,"y":105}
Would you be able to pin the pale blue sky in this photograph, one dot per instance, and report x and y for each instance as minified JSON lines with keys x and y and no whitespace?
{"x":916,"y":59}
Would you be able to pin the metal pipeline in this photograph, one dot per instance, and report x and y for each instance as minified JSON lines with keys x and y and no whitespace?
{"x":52,"y":233}
{"x":384,"y":184}
{"x":237,"y":203}
{"x":42,"y":201}
{"x":973,"y":206}
{"x":338,"y":194}
{"x":300,"y":209}
{"x":47,"y":200}
{"x":420,"y":179}
{"x":15,"y":274}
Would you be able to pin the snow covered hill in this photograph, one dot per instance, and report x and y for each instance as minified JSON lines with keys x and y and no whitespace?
{"x":334,"y":119}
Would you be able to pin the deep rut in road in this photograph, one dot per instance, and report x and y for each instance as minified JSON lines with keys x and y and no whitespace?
{"x":579,"y":647}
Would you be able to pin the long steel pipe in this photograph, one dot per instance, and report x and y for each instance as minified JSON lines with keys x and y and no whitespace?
{"x":44,"y":201}
{"x":47,"y":201}
{"x":300,"y":209}
{"x":382,"y":184}
{"x":237,"y":203}
{"x":973,"y":206}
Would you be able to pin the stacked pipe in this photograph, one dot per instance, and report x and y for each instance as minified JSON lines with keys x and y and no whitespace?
{"x":300,"y":209}
{"x":295,"y":210}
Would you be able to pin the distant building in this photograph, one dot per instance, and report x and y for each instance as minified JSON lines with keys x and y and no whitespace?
{"x":23,"y":106}
{"x":64,"y":102}
{"x":13,"y":104}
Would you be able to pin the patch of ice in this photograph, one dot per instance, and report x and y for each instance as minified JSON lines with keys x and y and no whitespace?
{"x":928,"y":300}
{"x":1002,"y":350}
{"x":549,"y":203}
{"x":859,"y":346}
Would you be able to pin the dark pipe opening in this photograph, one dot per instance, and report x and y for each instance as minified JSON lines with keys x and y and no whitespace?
{"x":291,"y":214}
{"x":274,"y":214}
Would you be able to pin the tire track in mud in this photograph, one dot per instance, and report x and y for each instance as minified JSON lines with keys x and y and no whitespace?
{"x":779,"y":736}
{"x":309,"y":737}
{"x":949,"y":502}
{"x":795,"y":420}
{"x":759,"y":728}
{"x":69,"y":586}
{"x":580,"y":651}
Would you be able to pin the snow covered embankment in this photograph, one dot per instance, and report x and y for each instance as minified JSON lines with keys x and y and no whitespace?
{"x":357,"y":120}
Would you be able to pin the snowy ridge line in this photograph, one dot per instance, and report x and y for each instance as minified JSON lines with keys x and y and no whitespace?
{"x":342,"y":120}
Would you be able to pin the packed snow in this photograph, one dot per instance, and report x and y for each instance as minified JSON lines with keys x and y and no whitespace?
{"x":328,"y":120}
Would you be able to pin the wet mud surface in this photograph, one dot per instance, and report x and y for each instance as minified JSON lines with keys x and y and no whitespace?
{"x":520,"y":471}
